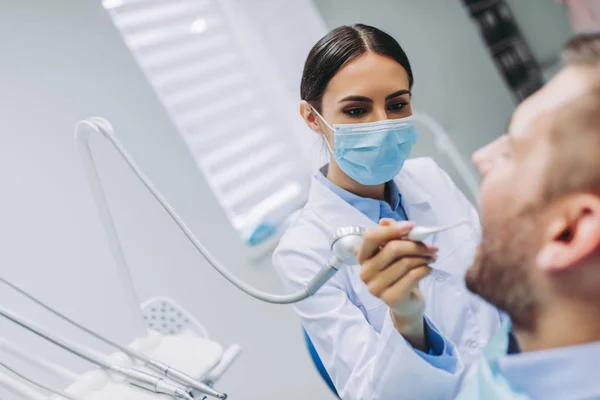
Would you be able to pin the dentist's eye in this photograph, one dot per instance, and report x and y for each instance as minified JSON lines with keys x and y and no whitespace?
{"x":396,"y":107}
{"x":355,"y":112}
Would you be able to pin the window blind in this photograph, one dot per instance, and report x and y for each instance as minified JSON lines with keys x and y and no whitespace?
{"x":212,"y":91}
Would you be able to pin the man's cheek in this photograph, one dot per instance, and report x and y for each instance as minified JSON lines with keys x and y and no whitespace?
{"x":488,"y":199}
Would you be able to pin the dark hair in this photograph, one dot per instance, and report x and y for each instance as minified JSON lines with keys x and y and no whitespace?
{"x":583,"y":49}
{"x":339,"y":47}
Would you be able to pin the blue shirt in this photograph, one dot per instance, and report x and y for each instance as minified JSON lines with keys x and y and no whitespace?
{"x":557,"y":374}
{"x":376,"y":210}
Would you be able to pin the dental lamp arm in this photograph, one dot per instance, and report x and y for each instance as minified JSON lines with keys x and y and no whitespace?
{"x":444,"y":144}
{"x":102,"y":127}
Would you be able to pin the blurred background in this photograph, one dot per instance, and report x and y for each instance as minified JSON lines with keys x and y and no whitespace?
{"x":204,"y":94}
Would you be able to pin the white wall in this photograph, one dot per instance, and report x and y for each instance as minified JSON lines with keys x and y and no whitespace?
{"x":63,"y":61}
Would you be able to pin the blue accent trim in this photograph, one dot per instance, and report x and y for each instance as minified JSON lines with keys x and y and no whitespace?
{"x":513,"y":346}
{"x":318,"y":364}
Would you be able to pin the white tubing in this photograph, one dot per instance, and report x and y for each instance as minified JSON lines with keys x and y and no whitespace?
{"x":110,"y":230}
{"x":103,"y":128}
{"x":20,"y":389}
{"x":38,"y":361}
{"x":444,"y":144}
{"x":39,"y":384}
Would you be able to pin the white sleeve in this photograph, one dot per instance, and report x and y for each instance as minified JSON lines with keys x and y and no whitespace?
{"x":362,"y":363}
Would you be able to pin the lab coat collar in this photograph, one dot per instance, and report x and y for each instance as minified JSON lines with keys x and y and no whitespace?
{"x":370,"y":207}
{"x":337,"y":213}
{"x":411,"y":189}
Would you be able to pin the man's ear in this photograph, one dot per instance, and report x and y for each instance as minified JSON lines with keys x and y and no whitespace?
{"x":310,"y":117}
{"x":573,"y":233}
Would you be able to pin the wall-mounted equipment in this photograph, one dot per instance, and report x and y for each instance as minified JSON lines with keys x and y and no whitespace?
{"x":507,"y":46}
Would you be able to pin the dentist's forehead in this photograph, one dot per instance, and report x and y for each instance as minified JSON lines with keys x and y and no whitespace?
{"x":571,"y":83}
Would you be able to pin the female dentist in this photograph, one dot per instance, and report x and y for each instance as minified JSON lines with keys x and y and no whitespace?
{"x":401,"y":325}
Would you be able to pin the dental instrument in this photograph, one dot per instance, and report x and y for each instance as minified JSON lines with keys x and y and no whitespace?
{"x":39,"y":384}
{"x":420,"y":233}
{"x":135,"y":377}
{"x":155,"y":365}
{"x":344,"y":242}
{"x":37,"y":361}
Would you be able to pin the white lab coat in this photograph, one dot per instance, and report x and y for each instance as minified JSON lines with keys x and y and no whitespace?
{"x":352,"y":330}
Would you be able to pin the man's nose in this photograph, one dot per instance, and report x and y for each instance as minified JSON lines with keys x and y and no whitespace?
{"x":482,"y":160}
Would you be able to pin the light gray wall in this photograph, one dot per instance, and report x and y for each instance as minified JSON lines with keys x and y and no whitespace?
{"x":63,"y":61}
{"x":456,"y":81}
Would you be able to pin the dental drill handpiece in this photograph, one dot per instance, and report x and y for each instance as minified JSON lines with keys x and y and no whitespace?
{"x":133,"y":376}
{"x":346,"y":241}
{"x":155,"y":365}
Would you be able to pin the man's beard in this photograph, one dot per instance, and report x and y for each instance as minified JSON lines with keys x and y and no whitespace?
{"x":501,"y":273}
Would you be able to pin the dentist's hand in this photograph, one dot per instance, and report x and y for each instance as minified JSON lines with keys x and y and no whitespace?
{"x":392,"y":268}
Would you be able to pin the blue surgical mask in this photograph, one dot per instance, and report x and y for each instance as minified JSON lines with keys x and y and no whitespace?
{"x":372,"y":153}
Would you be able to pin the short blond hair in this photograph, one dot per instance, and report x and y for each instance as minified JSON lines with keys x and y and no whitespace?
{"x":575,"y":133}
{"x":583,"y":49}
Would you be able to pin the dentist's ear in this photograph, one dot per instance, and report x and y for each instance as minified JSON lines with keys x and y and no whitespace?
{"x":573,"y":235}
{"x":310,"y":117}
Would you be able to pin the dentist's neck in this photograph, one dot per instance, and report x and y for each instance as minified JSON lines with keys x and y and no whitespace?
{"x":340,"y":179}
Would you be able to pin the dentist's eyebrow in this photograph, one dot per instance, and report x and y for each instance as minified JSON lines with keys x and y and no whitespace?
{"x":365,"y":99}
{"x":398,"y":93}
{"x":362,"y":99}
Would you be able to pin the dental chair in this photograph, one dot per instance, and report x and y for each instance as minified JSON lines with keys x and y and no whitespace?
{"x":318,"y":364}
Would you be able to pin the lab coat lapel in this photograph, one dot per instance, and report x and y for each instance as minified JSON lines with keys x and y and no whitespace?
{"x":416,"y":203}
{"x":334,"y":211}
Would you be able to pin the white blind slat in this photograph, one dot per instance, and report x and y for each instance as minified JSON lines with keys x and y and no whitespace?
{"x":153,"y":14}
{"x":195,"y":70}
{"x":249,"y":189}
{"x":203,"y":76}
{"x":180,"y":53}
{"x":245,"y":142}
{"x":217,"y":107}
{"x":277,"y":199}
{"x":199,"y":137}
{"x":196,"y":92}
{"x":248,"y":164}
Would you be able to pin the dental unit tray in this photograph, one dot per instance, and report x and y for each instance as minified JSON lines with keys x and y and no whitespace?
{"x":179,"y":341}
{"x":187,"y":352}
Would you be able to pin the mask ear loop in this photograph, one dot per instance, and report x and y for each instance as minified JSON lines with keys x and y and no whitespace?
{"x":327,"y":124}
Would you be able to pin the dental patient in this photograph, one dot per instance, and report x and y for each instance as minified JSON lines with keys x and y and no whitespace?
{"x":539,"y":259}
